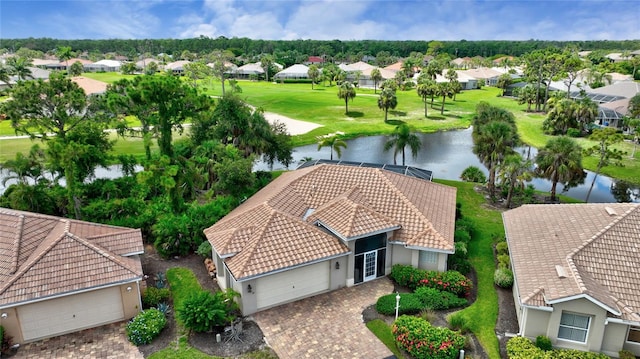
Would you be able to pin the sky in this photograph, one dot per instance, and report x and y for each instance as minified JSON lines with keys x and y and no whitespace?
{"x":323,"y":20}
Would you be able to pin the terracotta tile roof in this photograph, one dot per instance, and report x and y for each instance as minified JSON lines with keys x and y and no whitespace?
{"x":90,"y":86}
{"x":41,"y":256}
{"x":351,"y":200}
{"x":577,"y":249}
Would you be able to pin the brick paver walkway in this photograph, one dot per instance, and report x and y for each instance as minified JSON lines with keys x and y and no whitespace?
{"x":326,"y":326}
{"x":109,"y":341}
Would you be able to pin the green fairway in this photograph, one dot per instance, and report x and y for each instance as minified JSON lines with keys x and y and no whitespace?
{"x":321,"y":105}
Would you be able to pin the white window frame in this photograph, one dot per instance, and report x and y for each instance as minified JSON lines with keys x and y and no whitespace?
{"x":635,"y":329}
{"x":586,"y":336}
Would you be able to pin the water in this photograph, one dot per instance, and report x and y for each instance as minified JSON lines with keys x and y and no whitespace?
{"x":447,"y":154}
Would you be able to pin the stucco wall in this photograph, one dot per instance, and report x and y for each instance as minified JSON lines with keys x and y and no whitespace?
{"x":582,"y":307}
{"x":614,"y":337}
{"x":535,"y":322}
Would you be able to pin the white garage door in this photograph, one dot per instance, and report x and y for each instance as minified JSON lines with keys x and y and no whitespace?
{"x":292,"y":284}
{"x":68,"y":314}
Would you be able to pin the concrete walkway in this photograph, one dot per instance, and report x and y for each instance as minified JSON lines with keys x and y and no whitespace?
{"x":108,"y":341}
{"x":326,"y":326}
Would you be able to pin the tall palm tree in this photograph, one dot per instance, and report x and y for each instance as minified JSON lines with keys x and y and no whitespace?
{"x":334,"y":143}
{"x":19,"y":66}
{"x":426,"y":89}
{"x":64,"y":54}
{"x":5,"y":75}
{"x":387,"y":100}
{"x":586,"y":112}
{"x":606,"y":137}
{"x":314,"y":74}
{"x":401,"y":138}
{"x":445,"y":90}
{"x":376,"y":76}
{"x":560,"y":160}
{"x":514,"y":171}
{"x":347,"y":92}
{"x":492,"y":143}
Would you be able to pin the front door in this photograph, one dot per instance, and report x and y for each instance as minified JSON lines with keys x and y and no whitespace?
{"x":370,"y":260}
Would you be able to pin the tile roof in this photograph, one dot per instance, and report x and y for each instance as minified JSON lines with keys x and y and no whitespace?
{"x":90,"y":86}
{"x":597,"y":246}
{"x":42,"y":256}
{"x":353,"y":201}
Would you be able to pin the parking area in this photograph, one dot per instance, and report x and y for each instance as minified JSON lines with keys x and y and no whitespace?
{"x":326,"y":326}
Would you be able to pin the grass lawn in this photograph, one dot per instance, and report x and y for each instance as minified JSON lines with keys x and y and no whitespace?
{"x":322,"y":106}
{"x":383,"y":332}
{"x":482,"y":315}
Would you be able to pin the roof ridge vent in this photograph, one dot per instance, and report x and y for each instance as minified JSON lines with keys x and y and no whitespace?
{"x":610,"y":211}
{"x":562,"y":272}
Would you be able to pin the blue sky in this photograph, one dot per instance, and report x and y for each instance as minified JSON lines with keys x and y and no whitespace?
{"x":323,"y":20}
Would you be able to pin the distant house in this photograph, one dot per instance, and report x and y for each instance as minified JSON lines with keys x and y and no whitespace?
{"x":59,"y":275}
{"x":62,"y":65}
{"x":296,"y":71}
{"x":142,"y":64}
{"x":365,"y":69}
{"x":314,"y":60}
{"x":103,"y":66}
{"x":324,"y":227}
{"x":489,"y":76}
{"x":90,"y":86}
{"x":576,"y":277}
{"x":249,"y":70}
{"x":176,"y":67}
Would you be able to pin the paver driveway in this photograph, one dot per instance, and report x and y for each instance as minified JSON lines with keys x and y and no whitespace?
{"x":326,"y":326}
{"x":108,"y":341}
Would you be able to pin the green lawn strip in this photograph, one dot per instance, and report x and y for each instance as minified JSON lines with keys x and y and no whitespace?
{"x":482,"y":315}
{"x":383,"y":332}
{"x":180,"y":350}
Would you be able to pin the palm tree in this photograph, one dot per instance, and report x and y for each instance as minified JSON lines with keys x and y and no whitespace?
{"x":5,"y":74}
{"x":347,"y":92}
{"x":376,"y":76}
{"x":425,"y":89}
{"x":634,"y":125}
{"x":492,"y":143}
{"x":515,"y":171}
{"x":401,"y":138}
{"x":503,"y":81}
{"x":586,"y":112}
{"x":445,"y":90}
{"x":314,"y":74}
{"x":560,"y":160}
{"x":387,"y":100}
{"x":64,"y":54}
{"x":19,"y":66}
{"x":334,"y":143}
{"x":606,"y":137}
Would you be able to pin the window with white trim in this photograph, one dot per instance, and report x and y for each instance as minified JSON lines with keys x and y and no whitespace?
{"x":574,"y":327}
{"x":634,"y":335}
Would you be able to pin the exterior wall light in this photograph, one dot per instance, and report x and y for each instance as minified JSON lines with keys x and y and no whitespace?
{"x":129,"y":289}
{"x":249,"y":289}
{"x":337,"y":265}
{"x":4,"y":315}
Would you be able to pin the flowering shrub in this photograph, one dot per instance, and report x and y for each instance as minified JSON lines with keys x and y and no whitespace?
{"x":523,"y":348}
{"x":424,"y":341}
{"x":503,"y":277}
{"x":434,"y":299}
{"x":409,"y":304}
{"x":145,"y":326}
{"x":450,"y":281}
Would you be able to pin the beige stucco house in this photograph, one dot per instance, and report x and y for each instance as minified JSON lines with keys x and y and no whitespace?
{"x":324,"y":227}
{"x":576,"y":274}
{"x":59,"y":275}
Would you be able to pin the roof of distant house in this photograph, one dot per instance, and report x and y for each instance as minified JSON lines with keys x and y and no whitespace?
{"x":43,"y":256}
{"x":562,"y":252}
{"x":90,"y":86}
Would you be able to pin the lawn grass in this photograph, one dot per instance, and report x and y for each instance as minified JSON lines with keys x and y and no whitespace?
{"x":383,"y":332}
{"x":183,"y":284}
{"x":482,"y":315}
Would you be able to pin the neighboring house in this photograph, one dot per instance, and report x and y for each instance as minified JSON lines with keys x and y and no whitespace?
{"x":296,"y":71}
{"x":90,"y":86}
{"x":612,"y":100}
{"x":176,"y":67}
{"x":328,"y":226}
{"x":490,"y":76}
{"x":62,"y":65}
{"x":59,"y":275}
{"x":576,"y":277}
{"x":142,"y":64}
{"x":466,"y":82}
{"x":365,"y":69}
{"x":102,"y":66}
{"x":317,"y":60}
{"x":248,"y":70}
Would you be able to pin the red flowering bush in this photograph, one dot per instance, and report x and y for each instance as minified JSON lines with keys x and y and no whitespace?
{"x":424,"y":341}
{"x":450,"y":281}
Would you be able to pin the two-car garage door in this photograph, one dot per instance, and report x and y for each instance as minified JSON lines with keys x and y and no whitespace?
{"x":292,"y":284}
{"x":68,"y":314}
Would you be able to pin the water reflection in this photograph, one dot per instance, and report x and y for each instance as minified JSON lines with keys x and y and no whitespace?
{"x":447,"y":154}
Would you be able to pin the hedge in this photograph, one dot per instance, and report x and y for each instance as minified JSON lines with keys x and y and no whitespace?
{"x":152,"y":296}
{"x":450,"y":281}
{"x":424,"y":341}
{"x":437,"y":300}
{"x":409,"y":304}
{"x":503,"y":278}
{"x":523,"y":348}
{"x":145,"y":326}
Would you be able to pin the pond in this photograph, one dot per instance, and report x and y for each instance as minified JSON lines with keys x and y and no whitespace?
{"x":448,"y":153}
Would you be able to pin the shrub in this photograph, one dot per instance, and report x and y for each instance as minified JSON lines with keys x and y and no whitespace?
{"x":466,"y":224}
{"x":204,"y":310}
{"x":145,"y":326}
{"x":459,"y":263}
{"x":422,"y":340}
{"x":503,"y":278}
{"x":406,"y":276}
{"x":458,"y":322}
{"x":543,"y":342}
{"x":625,"y":354}
{"x":502,"y":248}
{"x":504,"y":261}
{"x":523,"y":348}
{"x":6,"y":342}
{"x":461,"y":236}
{"x":152,"y":296}
{"x":473,"y":174}
{"x":573,"y":132}
{"x":434,"y":299}
{"x":204,"y":249}
{"x":449,"y":281}
{"x":409,"y":304}
{"x":164,"y":308}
